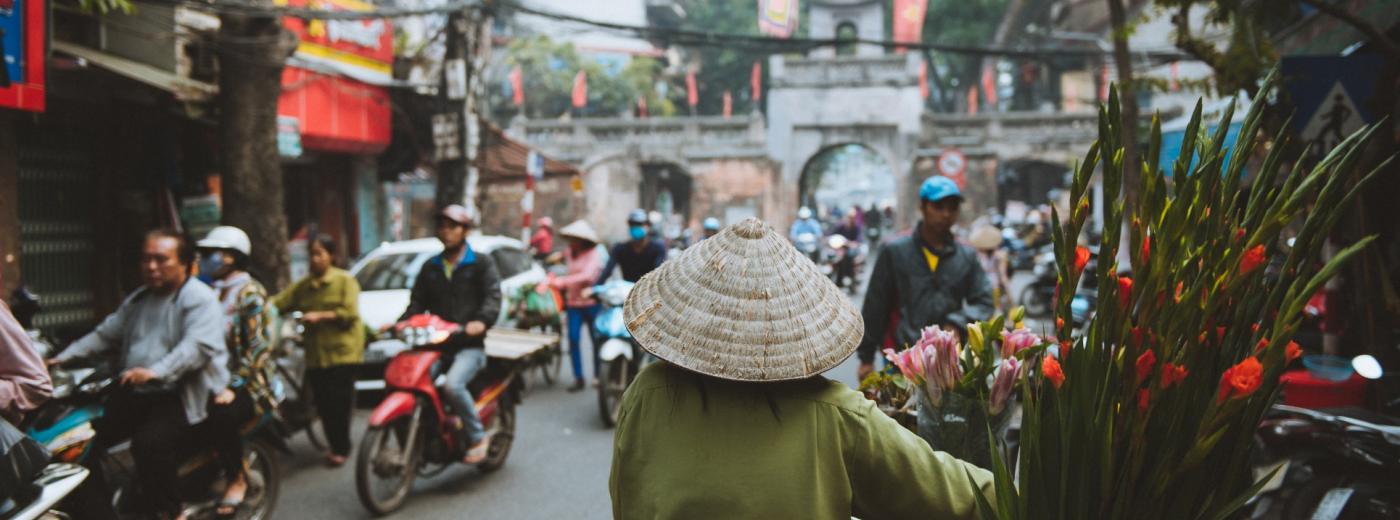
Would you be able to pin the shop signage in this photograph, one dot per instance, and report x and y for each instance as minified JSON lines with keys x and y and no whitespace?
{"x":334,"y":85}
{"x":953,"y":165}
{"x":288,"y":137}
{"x":22,"y":40}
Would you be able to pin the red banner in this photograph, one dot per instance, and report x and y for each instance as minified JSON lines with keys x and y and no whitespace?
{"x":923,"y":80}
{"x":692,"y":94}
{"x":778,"y":18}
{"x":989,"y":86}
{"x":756,"y":82}
{"x":517,"y":86}
{"x":972,"y":101}
{"x":909,"y":21}
{"x":728,"y":105}
{"x":580,"y":90}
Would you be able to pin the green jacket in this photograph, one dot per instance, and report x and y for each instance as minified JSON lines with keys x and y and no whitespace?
{"x":331,"y":343}
{"x":681,"y":451}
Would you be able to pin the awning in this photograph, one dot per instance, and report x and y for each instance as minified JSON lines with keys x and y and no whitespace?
{"x":184,"y":89}
{"x":503,"y":159}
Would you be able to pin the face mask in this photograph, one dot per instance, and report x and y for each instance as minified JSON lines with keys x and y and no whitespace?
{"x":210,"y":264}
{"x":637,"y":232}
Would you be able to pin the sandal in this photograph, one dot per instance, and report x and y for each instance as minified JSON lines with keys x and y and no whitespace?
{"x":477,"y":454}
{"x":228,"y":506}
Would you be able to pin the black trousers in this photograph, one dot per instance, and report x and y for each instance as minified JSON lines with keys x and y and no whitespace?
{"x":223,"y":430}
{"x":159,"y":434}
{"x":333,"y":388}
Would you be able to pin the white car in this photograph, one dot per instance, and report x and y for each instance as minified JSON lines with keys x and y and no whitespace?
{"x":386,"y":277}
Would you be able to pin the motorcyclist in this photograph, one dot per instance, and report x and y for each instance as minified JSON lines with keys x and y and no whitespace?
{"x":168,"y":337}
{"x":805,"y":223}
{"x":223,"y":259}
{"x":460,"y":286}
{"x":711,"y":227}
{"x":638,"y":255}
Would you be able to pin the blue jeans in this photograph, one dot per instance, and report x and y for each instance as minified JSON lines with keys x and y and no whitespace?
{"x":579,"y":318}
{"x":464,"y":367}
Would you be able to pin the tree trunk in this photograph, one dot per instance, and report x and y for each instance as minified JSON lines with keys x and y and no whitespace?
{"x":1127,"y":98}
{"x":251,"y":53}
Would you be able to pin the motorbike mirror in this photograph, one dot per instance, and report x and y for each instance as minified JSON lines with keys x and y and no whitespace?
{"x":1367,"y":366}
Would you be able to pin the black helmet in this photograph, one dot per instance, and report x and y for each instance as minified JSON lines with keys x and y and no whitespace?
{"x":637,"y":217}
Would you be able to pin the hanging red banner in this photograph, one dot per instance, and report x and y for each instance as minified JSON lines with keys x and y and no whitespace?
{"x":517,"y":86}
{"x":989,"y":86}
{"x":923,"y":80}
{"x":692,"y":94}
{"x":972,"y":101}
{"x":728,"y":105}
{"x":642,"y":107}
{"x":580,"y":90}
{"x":756,"y":82}
{"x":909,"y":21}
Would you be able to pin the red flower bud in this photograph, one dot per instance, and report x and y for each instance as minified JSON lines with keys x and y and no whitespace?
{"x":1125,"y":291}
{"x":1146,"y":250}
{"x":1292,"y":352}
{"x":1137,"y":336}
{"x":1263,"y":344}
{"x":1252,"y":259}
{"x":1219,"y":334}
{"x":1059,"y":323}
{"x":1144,"y":399}
{"x":1241,"y":380}
{"x":1081,"y":258}
{"x":1239,"y":234}
{"x":1145,"y":362}
{"x":1052,"y":371}
{"x":1176,"y":298}
{"x":1172,"y":374}
{"x":1254,"y":328}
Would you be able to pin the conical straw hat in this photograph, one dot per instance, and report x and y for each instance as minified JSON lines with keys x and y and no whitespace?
{"x":581,"y":230}
{"x":744,"y":305}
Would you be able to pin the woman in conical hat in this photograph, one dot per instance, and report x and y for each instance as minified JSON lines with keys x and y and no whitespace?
{"x":736,"y":421}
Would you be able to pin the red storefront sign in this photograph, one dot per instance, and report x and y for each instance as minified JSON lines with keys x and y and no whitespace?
{"x":332,"y":85}
{"x":22,"y":40}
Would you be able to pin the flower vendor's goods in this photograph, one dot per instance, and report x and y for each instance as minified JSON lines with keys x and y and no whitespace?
{"x":949,"y":382}
{"x":1149,"y":410}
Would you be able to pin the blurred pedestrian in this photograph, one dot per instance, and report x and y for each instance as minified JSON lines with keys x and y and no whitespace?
{"x":736,"y":421}
{"x":24,"y":381}
{"x":584,"y":263}
{"x":637,"y":256}
{"x":542,"y":242}
{"x":711,"y":227}
{"x":223,"y":259}
{"x":986,"y":240}
{"x":328,"y":299}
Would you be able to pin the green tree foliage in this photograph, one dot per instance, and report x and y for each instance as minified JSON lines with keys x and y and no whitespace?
{"x":548,"y":69}
{"x":962,"y":22}
{"x":721,"y":68}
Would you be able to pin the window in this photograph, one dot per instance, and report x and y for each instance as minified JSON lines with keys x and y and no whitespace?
{"x":390,"y":272}
{"x":846,"y":32}
{"x":510,"y":261}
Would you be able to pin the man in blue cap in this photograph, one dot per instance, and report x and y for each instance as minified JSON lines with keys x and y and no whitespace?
{"x":637,"y":256}
{"x":927,"y":277}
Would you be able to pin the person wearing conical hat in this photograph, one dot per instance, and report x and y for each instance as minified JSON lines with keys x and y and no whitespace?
{"x":735,"y":419}
{"x":583,"y":265}
{"x":986,"y":240}
{"x":927,"y":279}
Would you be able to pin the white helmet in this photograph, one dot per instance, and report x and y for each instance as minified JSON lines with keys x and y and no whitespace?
{"x":804,"y":213}
{"x":227,"y":237}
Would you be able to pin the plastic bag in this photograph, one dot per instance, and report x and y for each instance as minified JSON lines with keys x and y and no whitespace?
{"x":21,"y":461}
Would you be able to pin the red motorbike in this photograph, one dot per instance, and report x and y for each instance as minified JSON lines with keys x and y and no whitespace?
{"x":409,"y":431}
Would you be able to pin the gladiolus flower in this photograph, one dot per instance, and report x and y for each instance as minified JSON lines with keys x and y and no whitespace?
{"x":1241,"y":380}
{"x":1145,"y":362}
{"x":1002,"y":384}
{"x":1254,"y":328}
{"x":1137,"y":336}
{"x":1172,"y":374}
{"x":1146,"y":249}
{"x":1261,"y":345}
{"x":1239,"y":234}
{"x":1015,"y":341}
{"x":1252,"y":259}
{"x":1144,"y":399}
{"x":1059,"y":323}
{"x":1052,"y":371}
{"x":1292,"y":352}
{"x":1081,"y":258}
{"x":1219,"y":334}
{"x":1125,"y":291}
{"x":1176,"y":298}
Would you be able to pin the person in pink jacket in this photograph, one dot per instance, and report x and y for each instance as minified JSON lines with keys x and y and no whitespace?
{"x":24,"y":380}
{"x":584,"y":264}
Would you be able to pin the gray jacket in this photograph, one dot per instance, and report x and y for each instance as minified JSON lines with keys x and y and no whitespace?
{"x":187,"y":338}
{"x":956,"y":294}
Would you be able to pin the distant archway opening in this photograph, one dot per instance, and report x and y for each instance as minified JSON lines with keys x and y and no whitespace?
{"x":839,"y":178}
{"x":847,"y":34}
{"x":667,"y":189}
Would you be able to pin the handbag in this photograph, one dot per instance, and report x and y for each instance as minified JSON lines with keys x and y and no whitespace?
{"x":21,"y":461}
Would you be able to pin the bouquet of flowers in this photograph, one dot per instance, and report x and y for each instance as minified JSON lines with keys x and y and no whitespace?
{"x":1150,"y":410}
{"x":952,"y":381}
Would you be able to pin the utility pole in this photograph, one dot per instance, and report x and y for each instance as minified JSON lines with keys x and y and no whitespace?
{"x":252,"y":50}
{"x":450,"y":125}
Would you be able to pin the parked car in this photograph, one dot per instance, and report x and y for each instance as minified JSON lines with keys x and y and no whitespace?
{"x":386,"y":276}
